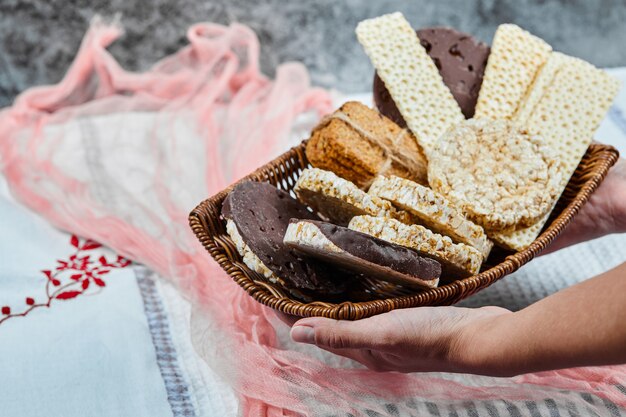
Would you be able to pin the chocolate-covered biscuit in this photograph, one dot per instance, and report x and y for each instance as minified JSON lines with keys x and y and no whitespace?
{"x":461,"y":61}
{"x":258,"y":215}
{"x":362,"y":253}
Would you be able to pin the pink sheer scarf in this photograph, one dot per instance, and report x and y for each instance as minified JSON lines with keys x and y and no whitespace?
{"x":122,"y":157}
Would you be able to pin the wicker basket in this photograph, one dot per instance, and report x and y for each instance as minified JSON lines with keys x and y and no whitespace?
{"x":379,"y":297}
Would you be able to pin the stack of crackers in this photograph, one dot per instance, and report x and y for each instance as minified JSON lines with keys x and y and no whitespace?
{"x":437,"y":194}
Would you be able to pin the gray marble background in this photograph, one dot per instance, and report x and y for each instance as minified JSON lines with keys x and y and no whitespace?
{"x":38,"y":38}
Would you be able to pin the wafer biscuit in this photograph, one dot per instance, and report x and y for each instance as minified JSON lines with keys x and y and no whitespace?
{"x":410,"y":75}
{"x":515,"y":182}
{"x":457,"y":259}
{"x":566,"y":113}
{"x":339,"y":200}
{"x":433,"y":210}
{"x":515,"y":58}
{"x":357,"y":143}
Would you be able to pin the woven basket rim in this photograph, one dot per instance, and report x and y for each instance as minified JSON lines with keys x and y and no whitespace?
{"x":444,"y":295}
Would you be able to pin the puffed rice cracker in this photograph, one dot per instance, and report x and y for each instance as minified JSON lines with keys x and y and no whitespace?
{"x":433,"y":210}
{"x":513,"y":185}
{"x":339,"y":200}
{"x":463,"y":259}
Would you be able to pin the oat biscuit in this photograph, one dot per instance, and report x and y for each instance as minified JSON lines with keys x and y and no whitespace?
{"x":362,"y":253}
{"x":572,"y":99}
{"x":339,"y":200}
{"x":433,"y":210}
{"x":496,"y":172}
{"x":458,"y":260}
{"x":357,"y":143}
{"x":411,"y":77}
{"x":515,"y":58}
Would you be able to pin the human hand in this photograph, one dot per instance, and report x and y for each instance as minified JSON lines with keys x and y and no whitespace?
{"x":604,"y":213}
{"x":423,"y":339}
{"x":579,"y":326}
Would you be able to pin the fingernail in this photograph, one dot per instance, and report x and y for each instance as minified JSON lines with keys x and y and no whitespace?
{"x":303,"y":334}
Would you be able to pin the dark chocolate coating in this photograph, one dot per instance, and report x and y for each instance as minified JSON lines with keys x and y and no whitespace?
{"x":226,"y":212}
{"x":461,"y":61}
{"x":377,"y":251}
{"x":261,"y":213}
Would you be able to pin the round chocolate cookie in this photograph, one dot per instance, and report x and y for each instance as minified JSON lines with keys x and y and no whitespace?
{"x":261,"y":214}
{"x":362,"y":253}
{"x":461,"y":61}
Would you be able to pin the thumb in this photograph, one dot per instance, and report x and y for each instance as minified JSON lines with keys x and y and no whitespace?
{"x":334,"y":334}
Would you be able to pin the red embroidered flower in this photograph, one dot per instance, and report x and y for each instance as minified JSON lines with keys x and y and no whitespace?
{"x":72,"y":277}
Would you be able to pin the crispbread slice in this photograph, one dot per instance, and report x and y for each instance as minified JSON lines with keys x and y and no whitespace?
{"x":411,"y":77}
{"x":515,"y":58}
{"x":566,"y":115}
{"x":457,"y":259}
{"x":544,"y":79}
{"x":432,"y":209}
{"x":339,"y":200}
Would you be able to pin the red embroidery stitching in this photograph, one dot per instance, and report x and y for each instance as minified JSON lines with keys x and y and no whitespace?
{"x":72,"y":277}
